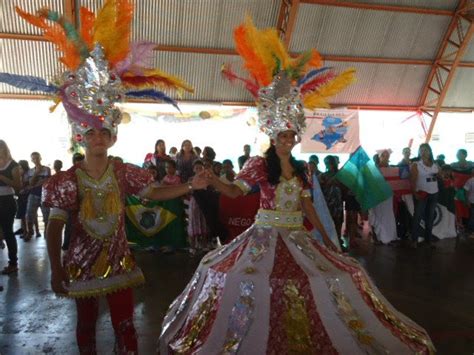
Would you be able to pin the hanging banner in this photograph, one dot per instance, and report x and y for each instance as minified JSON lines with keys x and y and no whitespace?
{"x":331,"y":131}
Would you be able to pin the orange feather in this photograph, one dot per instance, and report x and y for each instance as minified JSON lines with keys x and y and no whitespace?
{"x":253,"y":63}
{"x":87,"y":25}
{"x":55,"y":34}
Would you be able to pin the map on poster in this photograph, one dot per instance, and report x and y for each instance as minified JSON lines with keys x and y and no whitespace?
{"x":331,"y":131}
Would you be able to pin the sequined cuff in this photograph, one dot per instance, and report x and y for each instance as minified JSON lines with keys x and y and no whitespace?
{"x":306,"y":193}
{"x":243,"y":185}
{"x":144,"y":193}
{"x":59,"y":214}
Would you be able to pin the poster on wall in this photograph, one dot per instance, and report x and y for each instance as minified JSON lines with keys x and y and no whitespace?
{"x":331,"y":131}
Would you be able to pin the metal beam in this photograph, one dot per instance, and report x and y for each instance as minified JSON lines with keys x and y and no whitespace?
{"x":448,"y":80}
{"x":455,"y":42}
{"x":252,"y":103}
{"x":223,"y":51}
{"x":287,"y":19}
{"x":380,"y":7}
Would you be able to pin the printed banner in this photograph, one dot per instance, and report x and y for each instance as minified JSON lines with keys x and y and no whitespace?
{"x":331,"y":131}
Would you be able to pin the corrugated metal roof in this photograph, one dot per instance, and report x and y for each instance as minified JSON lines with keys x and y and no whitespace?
{"x":209,"y":23}
{"x":10,"y":22}
{"x":355,"y":32}
{"x":202,"y":71}
{"x":427,"y":4}
{"x":461,"y":91}
{"x":382,"y":84}
{"x":28,"y":58}
{"x":196,"y":23}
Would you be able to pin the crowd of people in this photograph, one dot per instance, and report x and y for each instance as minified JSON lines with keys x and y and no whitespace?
{"x":21,"y":187}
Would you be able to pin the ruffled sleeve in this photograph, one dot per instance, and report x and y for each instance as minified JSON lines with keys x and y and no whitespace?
{"x":60,"y":194}
{"x":253,"y":172}
{"x":136,"y":179}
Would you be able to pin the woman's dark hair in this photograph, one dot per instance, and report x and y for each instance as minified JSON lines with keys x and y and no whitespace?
{"x":158,"y":142}
{"x":209,"y":153}
{"x":274,"y":167}
{"x":331,"y":160}
{"x":24,"y":165}
{"x":427,"y":146}
{"x":181,"y":151}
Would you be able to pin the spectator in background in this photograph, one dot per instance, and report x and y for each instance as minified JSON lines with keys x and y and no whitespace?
{"x":332,"y":191}
{"x":406,"y":152}
{"x":37,"y":176}
{"x":462,"y":163}
{"x":440,"y":160}
{"x":10,"y":180}
{"x":216,"y":168}
{"x":23,"y":198}
{"x":171,"y":178}
{"x":185,"y":159}
{"x":57,"y":166}
{"x":158,"y":158}
{"x":314,"y":160}
{"x":77,"y":158}
{"x":243,"y":158}
{"x":424,"y":182}
{"x":173,"y":151}
{"x":198,"y":152}
{"x":227,"y":173}
{"x":469,"y":187}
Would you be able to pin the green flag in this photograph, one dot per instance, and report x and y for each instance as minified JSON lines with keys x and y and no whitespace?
{"x":156,"y":223}
{"x":364,"y":179}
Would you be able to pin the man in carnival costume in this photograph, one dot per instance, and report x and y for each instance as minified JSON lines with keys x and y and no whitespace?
{"x":103,"y":68}
{"x":275,"y":289}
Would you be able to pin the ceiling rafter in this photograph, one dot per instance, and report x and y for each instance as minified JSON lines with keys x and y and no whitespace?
{"x":287,"y":20}
{"x":252,"y":103}
{"x":454,"y":44}
{"x":380,"y":7}
{"x":223,"y":51}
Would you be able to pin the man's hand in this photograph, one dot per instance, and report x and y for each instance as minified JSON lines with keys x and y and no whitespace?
{"x":59,"y":281}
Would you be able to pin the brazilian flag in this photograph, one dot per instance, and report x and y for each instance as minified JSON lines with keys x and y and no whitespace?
{"x":155,"y":223}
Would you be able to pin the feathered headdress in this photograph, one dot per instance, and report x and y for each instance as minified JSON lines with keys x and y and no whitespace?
{"x":281,"y":84}
{"x":103,"y":66}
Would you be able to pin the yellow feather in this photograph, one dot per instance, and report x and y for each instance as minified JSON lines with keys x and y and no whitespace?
{"x":276,"y":47}
{"x":174,"y":81}
{"x":257,"y":39}
{"x":112,"y":29}
{"x":318,"y":98}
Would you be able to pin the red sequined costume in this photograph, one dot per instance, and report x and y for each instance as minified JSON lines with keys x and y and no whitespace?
{"x":98,"y":261}
{"x":276,"y":290}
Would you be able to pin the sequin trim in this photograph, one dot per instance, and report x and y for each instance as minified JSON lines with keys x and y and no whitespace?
{"x":183,"y":301}
{"x":243,"y":185}
{"x":284,"y":219}
{"x":240,"y":319}
{"x":96,"y":287}
{"x":352,"y":319}
{"x":58,"y":214}
{"x":413,"y":337}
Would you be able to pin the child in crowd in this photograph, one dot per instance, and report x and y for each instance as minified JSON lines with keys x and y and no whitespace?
{"x":198,"y":231}
{"x":171,"y":178}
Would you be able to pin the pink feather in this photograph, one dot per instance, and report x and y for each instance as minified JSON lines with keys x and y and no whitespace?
{"x":318,"y":81}
{"x":139,"y":57}
{"x":230,"y":75}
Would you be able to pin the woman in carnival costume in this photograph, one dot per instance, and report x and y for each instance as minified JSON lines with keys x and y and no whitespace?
{"x":103,"y":68}
{"x":275,"y":289}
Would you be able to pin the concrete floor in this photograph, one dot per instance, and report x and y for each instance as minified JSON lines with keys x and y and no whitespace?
{"x":434,"y":288}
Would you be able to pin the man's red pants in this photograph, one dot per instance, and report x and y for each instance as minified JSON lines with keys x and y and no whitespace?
{"x":121,"y":312}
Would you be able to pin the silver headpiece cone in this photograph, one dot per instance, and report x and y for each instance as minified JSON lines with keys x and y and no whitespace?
{"x":280,"y":108}
{"x":89,"y":95}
